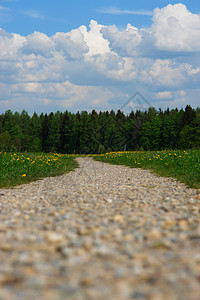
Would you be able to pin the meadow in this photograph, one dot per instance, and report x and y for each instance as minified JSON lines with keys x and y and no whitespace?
{"x":180,"y":164}
{"x":19,"y":168}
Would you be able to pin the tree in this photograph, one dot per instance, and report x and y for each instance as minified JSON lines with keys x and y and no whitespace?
{"x":5,"y":141}
{"x":84,"y":137}
{"x":53,"y":138}
{"x":44,"y":133}
{"x":27,"y":131}
{"x":151,"y":134}
{"x":94,"y":130}
{"x":168,"y":132}
{"x":189,"y":115}
{"x":190,"y":134}
{"x":65,"y":133}
{"x":146,"y":133}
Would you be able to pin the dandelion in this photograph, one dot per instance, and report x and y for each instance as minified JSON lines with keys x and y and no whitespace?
{"x":24,"y":175}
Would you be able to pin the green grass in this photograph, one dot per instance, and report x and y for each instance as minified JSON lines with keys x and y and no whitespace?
{"x":179,"y":164}
{"x":20,"y":168}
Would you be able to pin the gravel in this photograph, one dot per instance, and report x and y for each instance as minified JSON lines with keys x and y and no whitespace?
{"x":100,"y":232}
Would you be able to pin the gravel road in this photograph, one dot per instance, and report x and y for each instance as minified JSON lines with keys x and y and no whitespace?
{"x":102,"y":232}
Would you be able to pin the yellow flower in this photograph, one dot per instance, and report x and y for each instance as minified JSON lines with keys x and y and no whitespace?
{"x":24,"y":175}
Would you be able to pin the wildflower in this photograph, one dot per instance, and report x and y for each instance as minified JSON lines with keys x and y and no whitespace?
{"x":24,"y":175}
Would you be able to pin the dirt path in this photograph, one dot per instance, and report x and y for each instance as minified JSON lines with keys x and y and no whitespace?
{"x":101,"y":232}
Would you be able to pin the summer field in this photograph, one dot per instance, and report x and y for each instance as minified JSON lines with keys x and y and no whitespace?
{"x":22,"y":168}
{"x":18,"y":168}
{"x":182,"y":165}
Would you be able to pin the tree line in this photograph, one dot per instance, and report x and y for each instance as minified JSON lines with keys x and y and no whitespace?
{"x":100,"y":132}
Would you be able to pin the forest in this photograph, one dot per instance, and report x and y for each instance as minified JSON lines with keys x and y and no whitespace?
{"x":100,"y":132}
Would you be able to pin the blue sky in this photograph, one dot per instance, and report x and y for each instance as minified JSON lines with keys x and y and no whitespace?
{"x":49,"y":17}
{"x":58,"y":55}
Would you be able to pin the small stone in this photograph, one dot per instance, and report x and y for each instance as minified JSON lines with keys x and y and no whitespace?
{"x":5,"y":247}
{"x":119,"y":218}
{"x":154,"y":234}
{"x":183,"y":223}
{"x":17,"y":214}
{"x":169,"y":222}
{"x":6,"y":279}
{"x":65,"y":251}
{"x":109,"y":200}
{"x":54,"y":237}
{"x":83,"y":231}
{"x":127,"y":237}
{"x":87,"y":281}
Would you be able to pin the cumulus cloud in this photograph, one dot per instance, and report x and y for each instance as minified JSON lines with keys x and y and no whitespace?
{"x":124,"y":42}
{"x":87,"y":67}
{"x":176,"y":29}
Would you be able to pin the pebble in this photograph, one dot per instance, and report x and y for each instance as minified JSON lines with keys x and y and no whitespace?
{"x":54,"y":237}
{"x":100,"y":232}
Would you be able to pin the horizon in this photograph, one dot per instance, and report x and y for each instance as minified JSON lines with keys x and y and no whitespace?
{"x":142,"y":110}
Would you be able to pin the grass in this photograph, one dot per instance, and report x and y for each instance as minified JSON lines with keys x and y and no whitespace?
{"x":179,"y":164}
{"x":20,"y":168}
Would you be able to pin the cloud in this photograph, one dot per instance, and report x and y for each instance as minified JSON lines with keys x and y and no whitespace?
{"x":176,"y":29}
{"x":3,"y":8}
{"x":163,"y":95}
{"x":118,"y":11}
{"x":124,"y":42}
{"x":33,"y":14}
{"x":89,"y":67}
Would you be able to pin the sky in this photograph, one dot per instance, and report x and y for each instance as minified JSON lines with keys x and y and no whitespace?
{"x":84,"y":55}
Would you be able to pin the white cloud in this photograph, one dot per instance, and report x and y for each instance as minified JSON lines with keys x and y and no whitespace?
{"x":124,"y":42}
{"x":87,"y":67}
{"x":71,"y":44}
{"x":192,"y":71}
{"x":163,"y":95}
{"x":118,"y":11}
{"x":94,"y":39}
{"x":33,"y":14}
{"x":39,"y":44}
{"x":176,"y":29}
{"x":167,"y":73}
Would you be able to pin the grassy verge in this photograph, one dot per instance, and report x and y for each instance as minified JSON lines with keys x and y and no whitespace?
{"x":22,"y":168}
{"x":182,"y":165}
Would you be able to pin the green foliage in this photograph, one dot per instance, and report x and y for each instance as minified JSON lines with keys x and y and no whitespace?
{"x":100,"y":132}
{"x":5,"y":141}
{"x":151,"y":134}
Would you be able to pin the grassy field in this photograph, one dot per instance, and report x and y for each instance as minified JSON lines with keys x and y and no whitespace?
{"x":18,"y":168}
{"x":22,"y":168}
{"x":182,"y":165}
